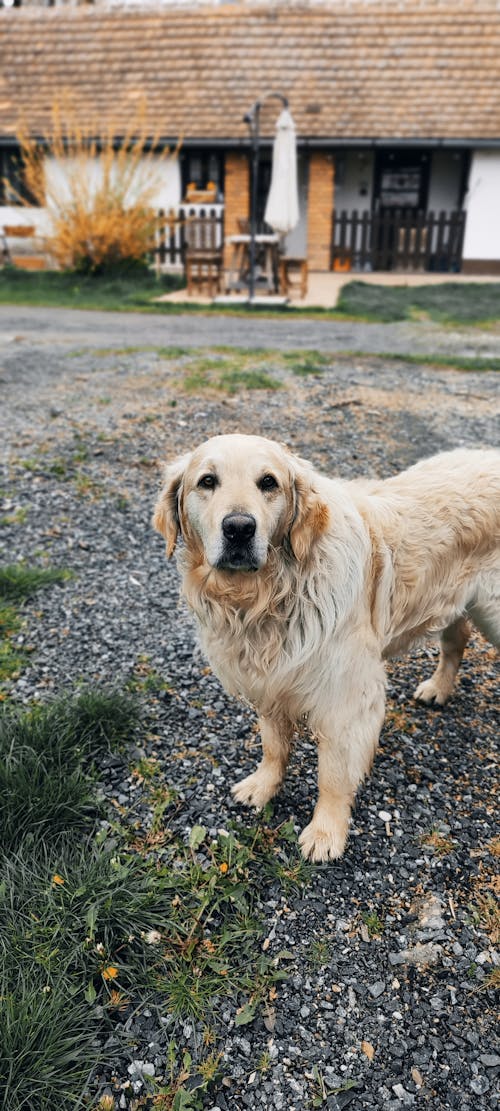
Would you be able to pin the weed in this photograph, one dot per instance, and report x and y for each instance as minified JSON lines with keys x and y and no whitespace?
{"x":321,"y":1091}
{"x":87,"y":486}
{"x":373,"y":923}
{"x":17,"y":518}
{"x":173,"y":352}
{"x":486,"y":913}
{"x":447,"y":362}
{"x":19,"y":582}
{"x":212,"y":374}
{"x":319,"y":952}
{"x":436,"y":840}
{"x":59,"y":468}
{"x":491,"y":981}
{"x":11,"y":659}
{"x":45,"y":787}
{"x":305,"y":363}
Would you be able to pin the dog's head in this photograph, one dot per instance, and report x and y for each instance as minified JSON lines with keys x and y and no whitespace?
{"x":237,"y":497}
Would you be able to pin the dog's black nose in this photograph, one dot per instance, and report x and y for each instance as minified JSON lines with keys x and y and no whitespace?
{"x":239,"y":527}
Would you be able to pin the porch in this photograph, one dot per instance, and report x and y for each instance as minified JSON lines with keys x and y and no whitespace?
{"x":324,"y":288}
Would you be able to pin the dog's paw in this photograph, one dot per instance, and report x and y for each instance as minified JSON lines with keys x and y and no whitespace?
{"x":320,"y":842}
{"x":256,"y":790}
{"x":432,"y":690}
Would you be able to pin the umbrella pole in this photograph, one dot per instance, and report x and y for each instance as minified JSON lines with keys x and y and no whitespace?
{"x":252,"y":118}
{"x":253,"y":200}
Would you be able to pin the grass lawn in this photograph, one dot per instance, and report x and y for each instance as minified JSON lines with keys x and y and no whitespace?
{"x":129,"y":291}
{"x":452,"y":302}
{"x":133,"y":291}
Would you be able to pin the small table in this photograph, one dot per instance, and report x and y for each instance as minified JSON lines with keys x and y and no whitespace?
{"x":266,"y":249}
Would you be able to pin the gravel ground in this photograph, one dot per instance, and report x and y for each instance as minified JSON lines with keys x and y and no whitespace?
{"x":386,"y":1020}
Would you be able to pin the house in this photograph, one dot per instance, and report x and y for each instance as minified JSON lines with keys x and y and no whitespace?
{"x":396,"y":107}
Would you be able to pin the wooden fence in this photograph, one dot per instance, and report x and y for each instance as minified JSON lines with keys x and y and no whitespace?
{"x":397,"y":240}
{"x":172,"y":237}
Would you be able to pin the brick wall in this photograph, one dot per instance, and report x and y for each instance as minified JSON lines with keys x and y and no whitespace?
{"x":319,"y":209}
{"x":236,"y":194}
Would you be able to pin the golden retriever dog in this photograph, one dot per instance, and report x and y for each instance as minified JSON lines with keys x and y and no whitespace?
{"x":302,"y":585}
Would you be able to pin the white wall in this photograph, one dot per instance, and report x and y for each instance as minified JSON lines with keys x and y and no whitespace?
{"x":164,"y":174}
{"x":482,"y":227}
{"x":160,"y":175}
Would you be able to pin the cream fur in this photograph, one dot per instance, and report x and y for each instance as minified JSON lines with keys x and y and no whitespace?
{"x":346,"y":574}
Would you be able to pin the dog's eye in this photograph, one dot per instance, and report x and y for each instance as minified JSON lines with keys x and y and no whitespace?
{"x":267,"y":482}
{"x":207,"y":482}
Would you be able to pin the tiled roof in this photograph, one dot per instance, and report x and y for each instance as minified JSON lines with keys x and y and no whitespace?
{"x":352,"y":69}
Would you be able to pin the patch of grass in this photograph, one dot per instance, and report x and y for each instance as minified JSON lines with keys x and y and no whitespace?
{"x":447,"y":362}
{"x":11,"y":659}
{"x":114,"y":291}
{"x":17,"y":518}
{"x":449,"y":302}
{"x":319,"y":952}
{"x":173,"y":352}
{"x":45,"y":786}
{"x":228,"y":376}
{"x":436,"y":840}
{"x":19,"y":582}
{"x":88,"y":921}
{"x":305,"y":363}
{"x":373,"y":923}
{"x":491,"y":982}
{"x":87,"y":487}
{"x":487,"y":913}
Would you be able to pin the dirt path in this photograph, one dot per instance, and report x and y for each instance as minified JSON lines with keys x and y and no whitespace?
{"x":59,"y":326}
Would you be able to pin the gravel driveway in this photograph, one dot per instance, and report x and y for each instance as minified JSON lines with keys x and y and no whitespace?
{"x":390,"y":954}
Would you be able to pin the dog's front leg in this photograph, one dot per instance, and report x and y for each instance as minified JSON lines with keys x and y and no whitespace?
{"x":276,"y":734}
{"x":347,"y":739}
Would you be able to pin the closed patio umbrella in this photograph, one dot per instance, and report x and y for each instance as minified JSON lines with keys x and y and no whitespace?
{"x":282,"y":208}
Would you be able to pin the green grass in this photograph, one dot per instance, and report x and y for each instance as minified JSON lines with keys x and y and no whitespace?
{"x":447,"y":362}
{"x":94,"y":919}
{"x":128,"y":290}
{"x":136,"y":290}
{"x":450,"y":302}
{"x":227,"y":374}
{"x":45,"y":786}
{"x":307,"y":362}
{"x":18,"y":517}
{"x":19,"y":582}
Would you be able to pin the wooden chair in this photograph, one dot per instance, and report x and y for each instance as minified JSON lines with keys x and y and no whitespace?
{"x":293,"y":276}
{"x":203,"y":257}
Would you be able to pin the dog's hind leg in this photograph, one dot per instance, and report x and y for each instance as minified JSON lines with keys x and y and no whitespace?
{"x":276,"y":734}
{"x":439,"y":687}
{"x":347,"y":740}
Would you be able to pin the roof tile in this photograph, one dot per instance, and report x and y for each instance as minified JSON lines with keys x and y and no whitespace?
{"x":377,"y":69}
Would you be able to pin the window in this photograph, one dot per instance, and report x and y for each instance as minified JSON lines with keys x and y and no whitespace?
{"x":13,"y":189}
{"x":199,"y":167}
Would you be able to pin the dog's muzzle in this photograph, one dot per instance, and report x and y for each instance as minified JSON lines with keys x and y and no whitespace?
{"x":238,"y":530}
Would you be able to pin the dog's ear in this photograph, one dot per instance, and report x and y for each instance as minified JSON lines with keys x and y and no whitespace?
{"x":311,"y":515}
{"x":166,"y":518}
